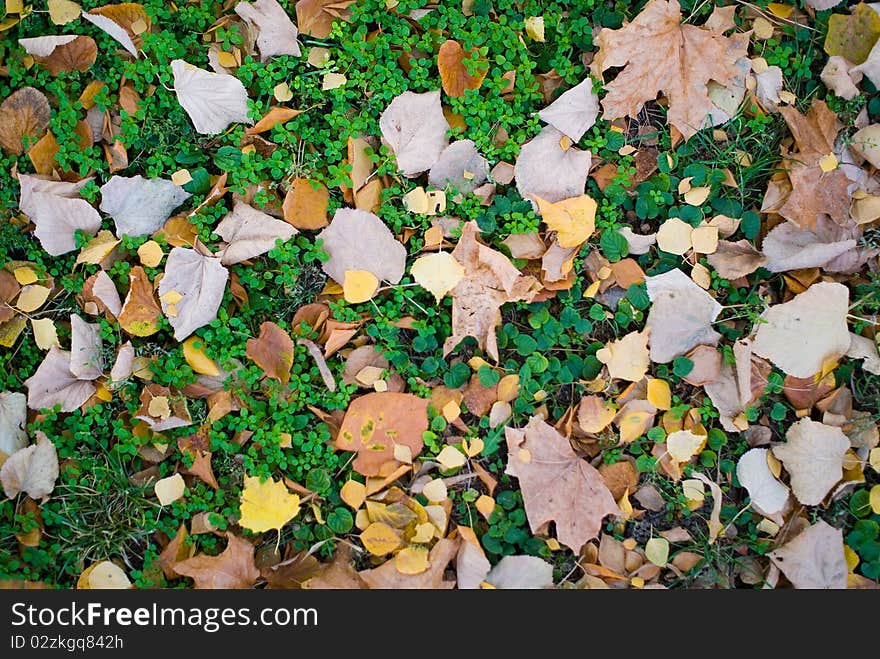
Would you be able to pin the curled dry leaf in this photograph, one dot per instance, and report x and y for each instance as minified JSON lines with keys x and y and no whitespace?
{"x":57,"y":212}
{"x":249,"y":233}
{"x":454,"y":74}
{"x":550,"y":168}
{"x":13,"y":416}
{"x":557,"y":485}
{"x":574,"y":112}
{"x":61,"y":54}
{"x":358,"y":240}
{"x":272,"y":351}
{"x":377,"y":422}
{"x":813,"y":456}
{"x":53,"y":384}
{"x":414,"y":128}
{"x":768,"y":495}
{"x":24,"y":113}
{"x":800,"y":335}
{"x":234,"y":568}
{"x":212,"y":100}
{"x":124,"y":22}
{"x":193,"y":286}
{"x":140,"y":313}
{"x":815,"y":558}
{"x":140,"y":206}
{"x":32,"y":470}
{"x":276,"y":32}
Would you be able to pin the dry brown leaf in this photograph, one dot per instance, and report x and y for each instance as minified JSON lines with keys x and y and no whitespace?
{"x":249,"y":233}
{"x":414,"y":128}
{"x":454,"y":74}
{"x":490,"y":280}
{"x":63,"y":53}
{"x":550,"y":168}
{"x":272,"y":351}
{"x":23,"y":113}
{"x":733,"y":260}
{"x":377,"y":422}
{"x":358,"y":240}
{"x":813,"y":456}
{"x":387,"y":576}
{"x":557,"y":486}
{"x":276,"y":32}
{"x":140,"y":313}
{"x":32,"y":470}
{"x":196,"y":284}
{"x":315,"y":17}
{"x":234,"y":568}
{"x":338,"y":574}
{"x":305,"y":204}
{"x":661,"y":54}
{"x":814,"y":559}
{"x":53,"y":384}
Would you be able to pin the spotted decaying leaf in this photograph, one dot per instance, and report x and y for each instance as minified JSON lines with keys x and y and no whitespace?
{"x":24,"y":113}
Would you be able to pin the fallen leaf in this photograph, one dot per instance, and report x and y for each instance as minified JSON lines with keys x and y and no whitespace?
{"x":460,"y":166}
{"x":853,"y":35}
{"x":733,"y":260}
{"x":272,"y":351}
{"x":140,"y":206}
{"x":521,"y":573}
{"x":767,"y":494}
{"x":574,"y":112}
{"x":120,"y":22}
{"x":557,"y":485}
{"x":305,"y":204}
{"x":24,"y":113}
{"x":376,"y":422}
{"x":681,"y":316}
{"x":53,"y":384}
{"x":315,"y":17}
{"x":276,"y":33}
{"x":233,"y":568}
{"x":547,"y":170}
{"x":813,"y":456}
{"x":86,"y":346}
{"x":454,"y":75}
{"x":787,"y":247}
{"x":490,"y":280}
{"x":104,"y":575}
{"x":274,"y":117}
{"x":675,"y":236}
{"x":212,"y":100}
{"x":200,"y":281}
{"x":437,"y":273}
{"x":150,"y":254}
{"x":682,"y":445}
{"x":414,"y":128}
{"x":657,"y":551}
{"x":266,"y":505}
{"x":595,"y":414}
{"x":801,"y":335}
{"x":841,"y":77}
{"x":659,"y":53}
{"x":359,"y":286}
{"x":338,"y":574}
{"x":387,"y":576}
{"x":170,"y":489}
{"x":13,"y":417}
{"x":358,"y":240}
{"x":380,"y":539}
{"x":32,"y":470}
{"x":62,"y":12}
{"x":57,"y":212}
{"x":626,"y":358}
{"x":573,"y":220}
{"x":250,"y":233}
{"x":62,"y":54}
{"x":814,"y":559}
{"x":140,"y":313}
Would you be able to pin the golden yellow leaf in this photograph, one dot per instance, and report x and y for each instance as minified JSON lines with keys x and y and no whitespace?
{"x":657,"y":551}
{"x":828,"y":163}
{"x":424,"y":533}
{"x":150,"y":254}
{"x":437,"y":273}
{"x":380,"y":539}
{"x":852,"y":558}
{"x":45,"y":334}
{"x":412,"y":560}
{"x":451,"y":458}
{"x":25,"y":275}
{"x":474,"y":447}
{"x":659,"y":394}
{"x":226,"y":59}
{"x":353,"y":493}
{"x":534,"y":26}
{"x":874,"y":459}
{"x":266,"y":505}
{"x":874,"y":498}
{"x":194,"y":354}
{"x":103,"y":576}
{"x":359,"y":286}
{"x":98,"y":248}
{"x":633,"y":423}
{"x":486,"y":505}
{"x":168,"y":490}
{"x":32,"y":297}
{"x":573,"y":219}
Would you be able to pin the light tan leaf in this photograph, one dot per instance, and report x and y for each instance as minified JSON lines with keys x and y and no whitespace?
{"x":634,"y":419}
{"x":32,"y":470}
{"x":461,"y":166}
{"x":861,"y":347}
{"x":387,"y":576}
{"x":140,"y":206}
{"x":276,"y":32}
{"x":787,"y":247}
{"x":86,"y":362}
{"x":626,"y":358}
{"x":61,"y":54}
{"x":272,"y":352}
{"x":25,"y":112}
{"x":800,"y":335}
{"x":595,"y":414}
{"x":661,"y":54}
{"x":733,"y":260}
{"x":547,"y":170}
{"x":841,"y":77}
{"x":521,"y":573}
{"x":53,"y":384}
{"x":13,"y":416}
{"x":454,"y":75}
{"x":813,"y":456}
{"x":124,"y":22}
{"x":574,"y":112}
{"x":170,"y":489}
{"x":414,"y":128}
{"x":250,"y":233}
{"x":768,"y":495}
{"x":681,"y":316}
{"x":674,"y":236}
{"x":212,"y":100}
{"x":234,"y":568}
{"x":471,"y":564}
{"x":682,"y":445}
{"x":339,"y":574}
{"x":490,"y":280}
{"x":200,"y":281}
{"x":557,"y":485}
{"x":437,"y":273}
{"x":316,"y":17}
{"x":62,"y":12}
{"x":358,"y":240}
{"x":814,"y":559}
{"x":57,"y":211}
{"x":375,"y":423}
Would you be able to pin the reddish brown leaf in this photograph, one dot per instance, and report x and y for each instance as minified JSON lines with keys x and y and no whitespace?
{"x":454,"y":74}
{"x":25,"y":112}
{"x":234,"y":568}
{"x":272,"y":351}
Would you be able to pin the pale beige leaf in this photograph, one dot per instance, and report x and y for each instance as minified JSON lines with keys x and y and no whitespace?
{"x":626,"y":358}
{"x":547,"y":170}
{"x":521,"y":573}
{"x":557,"y":485}
{"x":13,"y":416}
{"x":86,"y":362}
{"x":681,"y":316}
{"x":53,"y":384}
{"x":733,"y":260}
{"x":768,"y":84}
{"x":767,"y":494}
{"x":212,"y":100}
{"x":471,"y":564}
{"x":638,"y":244}
{"x":861,"y":347}
{"x":359,"y":240}
{"x":200,"y":281}
{"x":104,"y":290}
{"x":140,"y":206}
{"x":575,"y":111}
{"x":788,"y":247}
{"x":414,"y":128}
{"x":276,"y":32}
{"x":32,"y":470}
{"x":250,"y":233}
{"x":813,"y":456}
{"x":44,"y":46}
{"x":814,"y":559}
{"x":800,"y":335}
{"x":866,"y":143}
{"x":460,"y":166}
{"x":682,"y":445}
{"x":57,"y":211}
{"x":841,"y":77}
{"x":123,"y":366}
{"x":114,"y":29}
{"x":45,"y":333}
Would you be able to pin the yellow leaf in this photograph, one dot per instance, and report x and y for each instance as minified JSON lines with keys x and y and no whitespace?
{"x":353,"y":493}
{"x":25,"y":275}
{"x":451,"y":458}
{"x":451,"y":411}
{"x":412,"y":560}
{"x":486,"y":505}
{"x":416,"y":201}
{"x":159,"y":407}
{"x":32,"y":297}
{"x":763,"y":28}
{"x":697,"y":196}
{"x":779,"y":9}
{"x":682,"y":445}
{"x":634,"y":423}
{"x":150,"y":254}
{"x":828,"y":163}
{"x":573,"y":219}
{"x":852,"y":558}
{"x":625,"y":505}
{"x":474,"y":447}
{"x":874,"y":499}
{"x":62,"y":12}
{"x":659,"y":394}
{"x":534,"y":26}
{"x":194,"y":354}
{"x":226,"y":59}
{"x":359,"y":286}
{"x":424,"y":533}
{"x":437,"y":273}
{"x":626,"y":358}
{"x":674,"y":236}
{"x":435,"y":490}
{"x":14,"y":6}
{"x":98,"y":248}
{"x":45,"y":334}
{"x":168,"y":490}
{"x":657,"y":551}
{"x":874,"y":459}
{"x":380,"y":539}
{"x":266,"y":505}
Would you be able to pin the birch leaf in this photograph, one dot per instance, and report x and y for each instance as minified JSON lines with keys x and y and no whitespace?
{"x":460,"y":166}
{"x":212,"y":100}
{"x":250,"y":233}
{"x":53,"y":384}
{"x":119,"y":21}
{"x":414,"y":128}
{"x":200,"y":281}
{"x":276,"y":32}
{"x":57,"y":211}
{"x":24,"y":113}
{"x":140,"y":206}
{"x":574,"y":112}
{"x":813,"y":456}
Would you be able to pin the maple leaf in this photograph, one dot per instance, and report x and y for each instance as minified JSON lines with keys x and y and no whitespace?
{"x":272,"y":351}
{"x":387,"y":575}
{"x":455,"y":76}
{"x":140,"y":206}
{"x":250,"y":233}
{"x":815,"y":558}
{"x":266,"y":505}
{"x":375,"y":423}
{"x":193,"y":288}
{"x":13,"y":416}
{"x":24,"y":113}
{"x":557,"y":485}
{"x":414,"y":128}
{"x":32,"y":470}
{"x":490,"y":280}
{"x":662,"y":55}
{"x":212,"y":100}
{"x":234,"y":568}
{"x":359,"y":240}
{"x":53,"y":384}
{"x":276,"y":32}
{"x":813,"y":456}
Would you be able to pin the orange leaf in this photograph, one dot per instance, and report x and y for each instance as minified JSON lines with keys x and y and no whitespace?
{"x":454,"y":74}
{"x":272,"y":351}
{"x":276,"y":115}
{"x":140,"y":312}
{"x":305,"y":205}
